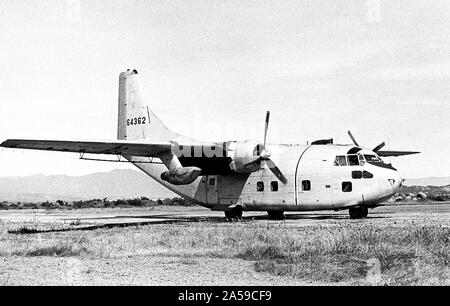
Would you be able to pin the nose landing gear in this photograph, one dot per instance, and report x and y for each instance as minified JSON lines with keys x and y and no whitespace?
{"x":359,"y":212}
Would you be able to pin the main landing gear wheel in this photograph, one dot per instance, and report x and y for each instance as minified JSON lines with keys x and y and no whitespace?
{"x":358,"y":212}
{"x":276,"y":214}
{"x":235,"y":213}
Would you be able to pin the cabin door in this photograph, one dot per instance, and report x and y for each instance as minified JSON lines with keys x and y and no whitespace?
{"x":314,"y":184}
{"x":211,"y":189}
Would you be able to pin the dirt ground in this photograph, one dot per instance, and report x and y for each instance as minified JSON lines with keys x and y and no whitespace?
{"x":160,"y":266}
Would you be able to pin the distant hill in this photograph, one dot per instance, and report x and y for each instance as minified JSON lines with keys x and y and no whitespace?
{"x":430,"y":190}
{"x":428,"y":181}
{"x":117,"y":184}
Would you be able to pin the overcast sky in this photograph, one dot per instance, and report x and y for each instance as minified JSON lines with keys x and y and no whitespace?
{"x":210,"y":69}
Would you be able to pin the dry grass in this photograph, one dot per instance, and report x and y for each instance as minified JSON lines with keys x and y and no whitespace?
{"x":64,"y":250}
{"x":407,"y":255}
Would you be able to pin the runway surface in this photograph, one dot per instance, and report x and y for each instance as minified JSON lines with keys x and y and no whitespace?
{"x":91,"y":219}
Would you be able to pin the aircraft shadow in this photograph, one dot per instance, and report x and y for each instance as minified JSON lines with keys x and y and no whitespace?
{"x":168,"y":220}
{"x":324,"y":217}
{"x":174,"y":219}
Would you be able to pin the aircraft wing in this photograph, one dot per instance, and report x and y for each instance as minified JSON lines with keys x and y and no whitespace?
{"x":395,"y":153}
{"x":95,"y":147}
{"x":218,"y":164}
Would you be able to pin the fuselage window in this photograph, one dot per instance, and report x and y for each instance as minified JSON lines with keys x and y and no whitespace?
{"x":347,"y":186}
{"x":212,"y":181}
{"x":340,"y":161}
{"x":367,"y":175}
{"x":306,"y":185}
{"x":260,"y":186}
{"x":353,"y":160}
{"x":357,"y":174}
{"x":274,"y":186}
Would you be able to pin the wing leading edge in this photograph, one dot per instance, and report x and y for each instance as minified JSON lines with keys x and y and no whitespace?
{"x":94,"y":147}
{"x":395,"y":153}
{"x":210,"y":165}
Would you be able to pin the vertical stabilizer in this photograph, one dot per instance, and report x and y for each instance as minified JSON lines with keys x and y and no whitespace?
{"x":136,"y":120}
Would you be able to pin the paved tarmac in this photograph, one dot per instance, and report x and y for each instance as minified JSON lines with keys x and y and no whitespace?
{"x":89,"y":219}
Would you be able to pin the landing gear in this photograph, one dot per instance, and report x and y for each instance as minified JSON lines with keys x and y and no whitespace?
{"x":365,"y":212}
{"x":358,"y":212}
{"x":235,"y":213}
{"x":275,"y":214}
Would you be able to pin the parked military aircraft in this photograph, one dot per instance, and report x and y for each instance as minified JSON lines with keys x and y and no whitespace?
{"x":236,"y":176}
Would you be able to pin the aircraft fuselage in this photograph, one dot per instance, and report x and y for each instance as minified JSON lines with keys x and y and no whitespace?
{"x":315,"y":181}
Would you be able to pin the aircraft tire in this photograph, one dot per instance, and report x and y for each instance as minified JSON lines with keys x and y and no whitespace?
{"x":229,"y":214}
{"x":358,"y":212}
{"x":365,"y":212}
{"x":275,"y":214}
{"x":236,"y":213}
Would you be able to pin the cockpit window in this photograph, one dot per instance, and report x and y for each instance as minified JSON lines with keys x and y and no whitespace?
{"x":353,"y":160}
{"x":373,"y":158}
{"x":340,"y":161}
{"x":350,"y":160}
{"x":362,"y":161}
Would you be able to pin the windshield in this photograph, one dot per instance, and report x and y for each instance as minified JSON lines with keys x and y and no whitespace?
{"x":340,"y":161}
{"x":361,"y":160}
{"x":373,"y":158}
{"x":352,"y":160}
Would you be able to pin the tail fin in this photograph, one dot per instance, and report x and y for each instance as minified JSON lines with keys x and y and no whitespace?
{"x":136,"y":120}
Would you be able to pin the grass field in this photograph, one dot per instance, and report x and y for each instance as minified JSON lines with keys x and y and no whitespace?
{"x":350,"y":253}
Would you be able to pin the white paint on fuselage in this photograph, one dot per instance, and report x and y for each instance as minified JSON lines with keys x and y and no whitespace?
{"x":297,"y":163}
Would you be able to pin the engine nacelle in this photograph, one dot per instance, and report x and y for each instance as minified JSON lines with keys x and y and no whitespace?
{"x":181,"y":175}
{"x":242,"y":153}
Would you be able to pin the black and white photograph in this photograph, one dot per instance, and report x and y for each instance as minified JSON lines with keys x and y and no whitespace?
{"x":238,"y":144}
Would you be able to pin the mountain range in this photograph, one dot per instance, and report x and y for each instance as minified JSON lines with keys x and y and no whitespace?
{"x":428,"y":181}
{"x":116,"y":184}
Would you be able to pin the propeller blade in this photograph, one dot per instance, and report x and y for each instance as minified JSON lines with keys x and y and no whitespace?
{"x":353,"y":138}
{"x":276,"y":171}
{"x":266,"y":127}
{"x":378,"y":148}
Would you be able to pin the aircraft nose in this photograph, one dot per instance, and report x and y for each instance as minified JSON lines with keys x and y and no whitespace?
{"x":395,"y":180}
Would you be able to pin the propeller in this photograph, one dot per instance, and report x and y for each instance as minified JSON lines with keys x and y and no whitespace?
{"x":378,"y":148}
{"x":264,"y":155}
